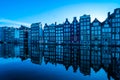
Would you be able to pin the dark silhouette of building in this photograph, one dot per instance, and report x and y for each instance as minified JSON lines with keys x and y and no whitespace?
{"x":36,"y":54}
{"x":66,"y":32}
{"x":9,"y":34}
{"x":23,"y":34}
{"x":75,"y":31}
{"x":52,"y":33}
{"x":1,"y":35}
{"x":106,"y":33}
{"x":59,"y":34}
{"x":36,"y":33}
{"x":115,"y":25}
{"x":85,"y":30}
{"x":96,"y":32}
{"x":46,"y":33}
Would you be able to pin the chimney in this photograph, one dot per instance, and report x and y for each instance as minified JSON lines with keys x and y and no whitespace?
{"x":74,"y":18}
{"x":108,"y":14}
{"x":55,"y":23}
{"x":66,"y":19}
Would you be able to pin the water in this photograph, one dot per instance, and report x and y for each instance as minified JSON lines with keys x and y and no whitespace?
{"x":56,"y":62}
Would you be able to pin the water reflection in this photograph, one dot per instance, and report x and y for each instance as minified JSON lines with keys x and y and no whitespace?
{"x":81,"y":58}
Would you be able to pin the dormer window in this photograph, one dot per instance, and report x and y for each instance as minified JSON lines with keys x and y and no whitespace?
{"x":66,"y":22}
{"x":75,"y":23}
{"x":96,"y":23}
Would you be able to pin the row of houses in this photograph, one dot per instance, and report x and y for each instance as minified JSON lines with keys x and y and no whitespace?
{"x":7,"y":34}
{"x":22,"y":34}
{"x":82,"y":32}
{"x":85,"y":32}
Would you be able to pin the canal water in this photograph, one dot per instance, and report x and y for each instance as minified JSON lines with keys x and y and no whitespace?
{"x":58,"y":62}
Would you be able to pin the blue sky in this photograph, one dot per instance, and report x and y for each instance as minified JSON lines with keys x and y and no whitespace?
{"x":48,"y":11}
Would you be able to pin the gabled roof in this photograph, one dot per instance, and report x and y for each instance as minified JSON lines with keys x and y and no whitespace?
{"x":67,"y":21}
{"x":45,"y":26}
{"x":96,"y":20}
{"x":75,"y":20}
{"x":106,"y":22}
{"x":85,"y":16}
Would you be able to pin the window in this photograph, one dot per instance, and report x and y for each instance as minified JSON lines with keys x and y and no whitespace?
{"x":112,"y":36}
{"x":92,"y":28}
{"x":99,"y":32}
{"x":81,"y":27}
{"x":106,"y":25}
{"x":84,"y":27}
{"x":92,"y":32}
{"x":88,"y":23}
{"x":96,"y":23}
{"x":99,"y":27}
{"x":81,"y":23}
{"x":109,"y":30}
{"x":118,"y":19}
{"x":88,"y":27}
{"x":113,"y":20}
{"x":95,"y":32}
{"x":88,"y":19}
{"x":117,"y":11}
{"x":74,"y":26}
{"x":117,"y":36}
{"x":81,"y":37}
{"x":88,"y":32}
{"x":118,"y":24}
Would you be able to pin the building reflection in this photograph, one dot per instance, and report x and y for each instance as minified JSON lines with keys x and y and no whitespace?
{"x":85,"y":60}
{"x":80,"y":58}
{"x":36,"y":54}
{"x":23,"y":52}
{"x":66,"y":56}
{"x":75,"y":57}
{"x":7,"y":51}
{"x":59,"y":53}
{"x":96,"y":58}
